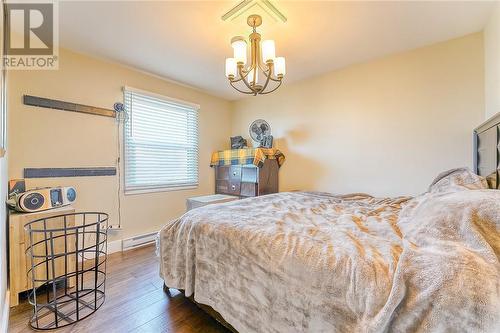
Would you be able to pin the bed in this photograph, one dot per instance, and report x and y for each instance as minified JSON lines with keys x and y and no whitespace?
{"x":315,"y":262}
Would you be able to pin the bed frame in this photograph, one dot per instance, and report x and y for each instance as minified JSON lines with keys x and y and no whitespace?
{"x":487,"y":151}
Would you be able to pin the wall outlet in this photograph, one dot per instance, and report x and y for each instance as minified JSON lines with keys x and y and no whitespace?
{"x":114,"y":227}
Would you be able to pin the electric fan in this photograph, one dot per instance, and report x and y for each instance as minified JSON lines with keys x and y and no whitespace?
{"x":259,"y":130}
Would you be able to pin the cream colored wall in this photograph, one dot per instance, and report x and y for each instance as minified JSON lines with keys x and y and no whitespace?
{"x":386,"y":127}
{"x":50,"y":138}
{"x":492,"y":63}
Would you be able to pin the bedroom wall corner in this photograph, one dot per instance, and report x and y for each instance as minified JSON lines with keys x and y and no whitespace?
{"x":492,"y":63}
{"x":385,"y":127}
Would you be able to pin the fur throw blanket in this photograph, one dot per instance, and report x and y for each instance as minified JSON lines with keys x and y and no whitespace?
{"x":315,"y":262}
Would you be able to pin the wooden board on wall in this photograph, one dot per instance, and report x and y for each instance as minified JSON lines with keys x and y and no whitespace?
{"x":68,"y":172}
{"x":66,"y":106}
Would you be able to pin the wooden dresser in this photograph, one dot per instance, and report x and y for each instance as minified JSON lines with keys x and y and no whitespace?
{"x":247,"y":180}
{"x":19,"y":262}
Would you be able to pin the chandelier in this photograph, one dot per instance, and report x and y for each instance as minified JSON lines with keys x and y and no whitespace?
{"x":245,"y":78}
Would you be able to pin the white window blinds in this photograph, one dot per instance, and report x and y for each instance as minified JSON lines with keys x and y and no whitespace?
{"x":160,"y":142}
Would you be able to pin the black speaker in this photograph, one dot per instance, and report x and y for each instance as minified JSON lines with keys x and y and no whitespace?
{"x":70,"y":194}
{"x":33,"y":201}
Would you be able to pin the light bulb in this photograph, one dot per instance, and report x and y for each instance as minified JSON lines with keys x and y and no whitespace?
{"x":250,"y":76}
{"x":230,"y":67}
{"x":240,"y":49}
{"x":279,"y":66}
{"x":268,"y":50}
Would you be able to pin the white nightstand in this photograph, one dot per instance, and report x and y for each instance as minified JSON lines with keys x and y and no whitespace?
{"x":195,"y":202}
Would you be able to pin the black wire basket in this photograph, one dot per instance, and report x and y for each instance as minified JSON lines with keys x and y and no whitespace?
{"x":67,"y":266}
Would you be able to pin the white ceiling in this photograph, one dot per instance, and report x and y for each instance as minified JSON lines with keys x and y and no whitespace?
{"x":187,"y":41}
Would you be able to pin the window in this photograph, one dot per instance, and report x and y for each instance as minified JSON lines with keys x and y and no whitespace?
{"x":160,"y":142}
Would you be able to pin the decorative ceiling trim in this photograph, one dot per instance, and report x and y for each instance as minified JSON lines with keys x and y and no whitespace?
{"x":246,"y":5}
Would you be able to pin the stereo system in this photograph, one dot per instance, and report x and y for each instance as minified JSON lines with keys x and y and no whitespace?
{"x":42,"y":199}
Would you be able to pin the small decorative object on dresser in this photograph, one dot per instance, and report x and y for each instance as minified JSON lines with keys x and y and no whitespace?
{"x":247,"y":172}
{"x":16,"y":186}
{"x":267,"y":141}
{"x":237,"y":142}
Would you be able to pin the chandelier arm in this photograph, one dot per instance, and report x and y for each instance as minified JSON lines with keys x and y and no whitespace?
{"x":234,"y":81}
{"x":264,"y":70}
{"x":248,"y":85}
{"x":268,"y":75}
{"x":242,"y":72}
{"x":276,"y":80}
{"x":241,"y":75}
{"x":268,"y":92}
{"x":243,"y":78}
{"x":239,"y":90}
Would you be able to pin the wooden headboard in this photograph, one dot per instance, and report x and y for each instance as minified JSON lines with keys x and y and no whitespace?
{"x":487,"y":151}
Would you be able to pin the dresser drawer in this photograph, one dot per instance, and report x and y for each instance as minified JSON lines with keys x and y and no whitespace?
{"x":235,"y":173}
{"x":222,"y":172}
{"x":248,"y":189}
{"x":230,"y":172}
{"x":249,"y":174}
{"x":227,"y":187}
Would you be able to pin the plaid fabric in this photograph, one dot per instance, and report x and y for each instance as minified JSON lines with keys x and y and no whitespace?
{"x":255,"y":156}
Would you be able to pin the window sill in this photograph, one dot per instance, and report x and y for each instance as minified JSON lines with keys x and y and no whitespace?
{"x":160,"y":189}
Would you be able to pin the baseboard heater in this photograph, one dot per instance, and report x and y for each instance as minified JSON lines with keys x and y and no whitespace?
{"x":137,"y":241}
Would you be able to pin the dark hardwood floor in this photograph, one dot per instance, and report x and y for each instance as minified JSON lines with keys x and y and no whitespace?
{"x":135,"y":302}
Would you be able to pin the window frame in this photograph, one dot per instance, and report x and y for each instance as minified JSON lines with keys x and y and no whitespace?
{"x":163,"y":188}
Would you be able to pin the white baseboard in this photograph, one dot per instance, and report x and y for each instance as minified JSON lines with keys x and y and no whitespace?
{"x":139,"y":241}
{"x":118,"y":245}
{"x":4,"y":317}
{"x":115,"y":246}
